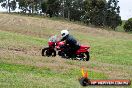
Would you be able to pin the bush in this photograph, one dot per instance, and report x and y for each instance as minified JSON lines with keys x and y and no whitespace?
{"x":128,"y":25}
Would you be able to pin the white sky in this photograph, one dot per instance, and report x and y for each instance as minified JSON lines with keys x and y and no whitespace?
{"x":125,"y":9}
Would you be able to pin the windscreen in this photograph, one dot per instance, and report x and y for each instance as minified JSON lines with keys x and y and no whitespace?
{"x":54,"y":38}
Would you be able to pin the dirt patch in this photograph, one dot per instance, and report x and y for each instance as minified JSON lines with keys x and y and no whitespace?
{"x":17,"y":49}
{"x":33,"y":52}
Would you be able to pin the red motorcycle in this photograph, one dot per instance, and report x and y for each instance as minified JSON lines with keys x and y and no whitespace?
{"x":54,"y":45}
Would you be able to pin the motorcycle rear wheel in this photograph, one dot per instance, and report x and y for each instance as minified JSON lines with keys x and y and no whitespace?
{"x":85,"y":56}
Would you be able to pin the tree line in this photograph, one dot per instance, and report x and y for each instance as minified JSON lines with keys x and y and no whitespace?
{"x":95,"y":12}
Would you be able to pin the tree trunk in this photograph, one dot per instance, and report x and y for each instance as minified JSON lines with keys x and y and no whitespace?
{"x":32,"y":8}
{"x":9,"y":6}
{"x":63,"y":9}
{"x":68,"y":14}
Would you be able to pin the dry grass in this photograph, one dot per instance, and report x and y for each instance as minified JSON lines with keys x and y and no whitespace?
{"x":39,"y":27}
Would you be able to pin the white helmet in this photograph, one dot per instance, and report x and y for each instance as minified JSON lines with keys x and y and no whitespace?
{"x":64,"y":33}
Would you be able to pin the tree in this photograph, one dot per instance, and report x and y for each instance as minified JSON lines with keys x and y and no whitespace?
{"x":10,"y":5}
{"x":53,"y":7}
{"x":44,"y":6}
{"x":23,"y":5}
{"x":30,"y":6}
{"x":13,"y":5}
{"x":128,"y":25}
{"x":102,"y":13}
{"x":77,"y":10}
{"x":95,"y":10}
{"x":113,"y":18}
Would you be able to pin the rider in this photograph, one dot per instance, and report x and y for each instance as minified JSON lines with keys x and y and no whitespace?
{"x":70,"y":41}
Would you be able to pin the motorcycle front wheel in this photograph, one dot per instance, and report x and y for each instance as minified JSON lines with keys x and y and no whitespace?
{"x":47,"y":52}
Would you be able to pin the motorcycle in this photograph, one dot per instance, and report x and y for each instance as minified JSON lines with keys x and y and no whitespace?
{"x":54,"y":46}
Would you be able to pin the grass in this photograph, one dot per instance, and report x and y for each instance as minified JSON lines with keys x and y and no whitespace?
{"x":22,"y":66}
{"x":8,"y":38}
{"x":14,"y":76}
{"x":113,"y":51}
{"x":120,"y":28}
{"x":110,"y":50}
{"x":46,"y":72}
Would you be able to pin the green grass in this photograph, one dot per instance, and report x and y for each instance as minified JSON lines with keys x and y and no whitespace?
{"x":113,"y":51}
{"x":14,"y":75}
{"x":46,"y":72}
{"x":120,"y":28}
{"x":8,"y":39}
{"x":109,"y":50}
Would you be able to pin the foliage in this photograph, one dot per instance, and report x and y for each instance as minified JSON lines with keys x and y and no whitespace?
{"x":44,"y":7}
{"x":113,"y":18}
{"x":53,"y":7}
{"x":10,"y":5}
{"x":94,"y":12}
{"x":128,"y":25}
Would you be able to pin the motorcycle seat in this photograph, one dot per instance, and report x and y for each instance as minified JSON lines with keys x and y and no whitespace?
{"x":84,"y":46}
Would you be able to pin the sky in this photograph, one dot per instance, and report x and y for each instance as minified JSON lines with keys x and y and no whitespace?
{"x":125,"y":9}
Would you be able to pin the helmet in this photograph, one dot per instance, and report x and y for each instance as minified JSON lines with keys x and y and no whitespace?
{"x":64,"y":33}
